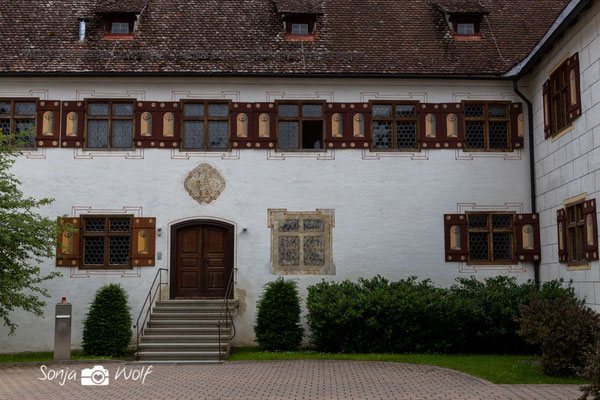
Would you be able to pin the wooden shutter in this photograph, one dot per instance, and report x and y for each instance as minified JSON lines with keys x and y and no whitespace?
{"x":527,"y":233}
{"x":48,"y":123}
{"x":73,"y":123}
{"x":67,"y":247}
{"x":261,"y":134}
{"x":561,"y":220}
{"x":574,"y":102}
{"x":517,"y":125}
{"x":164,"y":120}
{"x":547,"y":107}
{"x":590,"y":230}
{"x":144,"y":241}
{"x":455,"y":237}
{"x":441,"y":126}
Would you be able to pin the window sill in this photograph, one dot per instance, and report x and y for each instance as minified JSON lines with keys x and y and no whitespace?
{"x":279,"y":150}
{"x":466,"y":37}
{"x":508,"y":262}
{"x":378,"y":150}
{"x":112,"y":36}
{"x":578,"y":267}
{"x":299,"y":38}
{"x":566,"y":130}
{"x":104,"y":267}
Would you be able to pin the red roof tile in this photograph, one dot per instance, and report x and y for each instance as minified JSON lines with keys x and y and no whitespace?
{"x":379,"y":37}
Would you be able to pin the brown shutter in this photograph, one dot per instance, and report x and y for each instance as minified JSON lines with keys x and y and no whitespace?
{"x":527,"y":233}
{"x":590,"y":229}
{"x":561,"y":220}
{"x":257,"y":137}
{"x":48,"y":123}
{"x":449,"y":125}
{"x":574,"y":102}
{"x":455,"y":237}
{"x":547,"y":108}
{"x":144,"y":241}
{"x":341,"y":109}
{"x":73,"y":123}
{"x":165,"y":121}
{"x":67,"y":247}
{"x":517,"y":125}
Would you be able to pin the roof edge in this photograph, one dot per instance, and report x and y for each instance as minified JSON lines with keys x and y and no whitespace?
{"x":569,"y":13}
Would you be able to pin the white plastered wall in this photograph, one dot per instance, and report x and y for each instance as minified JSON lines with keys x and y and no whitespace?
{"x":570,"y":165}
{"x":388,"y":210}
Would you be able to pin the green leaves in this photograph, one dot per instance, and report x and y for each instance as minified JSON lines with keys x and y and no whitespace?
{"x":277,"y":325}
{"x":107,"y":327}
{"x":26,"y":239}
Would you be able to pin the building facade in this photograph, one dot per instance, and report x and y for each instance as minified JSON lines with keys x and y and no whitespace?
{"x":303,"y":150}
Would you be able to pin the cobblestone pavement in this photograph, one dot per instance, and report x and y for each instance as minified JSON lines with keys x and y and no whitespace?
{"x":271,"y":380}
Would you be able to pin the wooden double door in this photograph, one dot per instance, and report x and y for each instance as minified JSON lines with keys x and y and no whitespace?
{"x":202,"y":259}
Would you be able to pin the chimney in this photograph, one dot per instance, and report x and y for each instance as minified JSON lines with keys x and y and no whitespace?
{"x":82,"y":23}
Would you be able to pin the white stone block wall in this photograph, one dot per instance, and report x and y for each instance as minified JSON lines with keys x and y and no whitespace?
{"x":570,"y":165}
{"x":388,"y":211}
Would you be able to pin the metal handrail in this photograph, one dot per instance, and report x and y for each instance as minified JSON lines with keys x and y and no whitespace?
{"x":227,"y":313}
{"x":150,"y":298}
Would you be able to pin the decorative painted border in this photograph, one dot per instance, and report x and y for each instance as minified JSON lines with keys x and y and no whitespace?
{"x":77,"y":211}
{"x":420,"y":96}
{"x":461,"y":155}
{"x":176,"y":154}
{"x":371,"y":155}
{"x":327,"y":96}
{"x":461,"y":208}
{"x":232,"y":95}
{"x":135,"y":154}
{"x":328,"y":155}
{"x":42,"y":94}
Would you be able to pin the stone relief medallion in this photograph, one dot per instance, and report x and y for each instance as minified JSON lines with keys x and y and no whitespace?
{"x":204,"y":184}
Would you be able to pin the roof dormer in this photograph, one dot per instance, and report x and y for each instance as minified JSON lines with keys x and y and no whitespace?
{"x":299,"y":18}
{"x":463,"y":17}
{"x":119,"y":18}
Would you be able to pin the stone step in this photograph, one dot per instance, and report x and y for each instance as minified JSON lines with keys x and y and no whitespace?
{"x":180,"y":347}
{"x":192,"y":308}
{"x":214,"y":339}
{"x":186,"y":331}
{"x":195,"y":302}
{"x":184,"y":316}
{"x":212,"y":356}
{"x":185,"y":323}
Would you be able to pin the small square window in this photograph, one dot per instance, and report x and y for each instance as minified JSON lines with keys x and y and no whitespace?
{"x":120,"y":28}
{"x":465,"y":28}
{"x":299,"y":29}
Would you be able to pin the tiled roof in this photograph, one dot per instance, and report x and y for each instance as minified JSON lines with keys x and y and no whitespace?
{"x":461,"y":6}
{"x":366,"y":37}
{"x":299,"y":6}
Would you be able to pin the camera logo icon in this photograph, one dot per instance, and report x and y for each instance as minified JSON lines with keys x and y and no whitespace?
{"x":96,"y":376}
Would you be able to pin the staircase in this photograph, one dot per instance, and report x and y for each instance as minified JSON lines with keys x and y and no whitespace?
{"x":187,"y":331}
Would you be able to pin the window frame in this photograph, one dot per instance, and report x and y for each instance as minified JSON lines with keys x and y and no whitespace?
{"x":13,"y":117}
{"x":206,"y":119}
{"x":486,"y":120}
{"x":308,"y":20}
{"x":300,"y":118}
{"x":490,"y":230}
{"x":563,"y":93}
{"x":476,"y":21}
{"x":394,"y":119}
{"x":124,"y":18}
{"x":106,"y":234}
{"x":110,"y":118}
{"x":578,"y":226}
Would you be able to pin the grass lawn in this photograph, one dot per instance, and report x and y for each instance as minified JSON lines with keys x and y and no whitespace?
{"x":500,"y":369}
{"x":49,"y":356}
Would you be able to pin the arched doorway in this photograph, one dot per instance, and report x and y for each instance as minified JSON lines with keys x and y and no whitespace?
{"x":201,"y":259}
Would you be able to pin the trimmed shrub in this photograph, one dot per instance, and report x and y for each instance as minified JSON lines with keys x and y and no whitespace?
{"x":591,"y":371}
{"x":107,"y":327}
{"x":277,"y":325}
{"x":376,"y":315}
{"x":563,"y":328}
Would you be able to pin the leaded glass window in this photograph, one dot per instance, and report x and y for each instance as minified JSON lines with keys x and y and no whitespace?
{"x":491,"y":238}
{"x":205,"y":126}
{"x":106,"y":241}
{"x":395,"y":126}
{"x":487,"y":126}
{"x":575,"y":234}
{"x":301,"y":242}
{"x":559,"y":99}
{"x":17,"y":121}
{"x":300,"y":126}
{"x":109,"y":124}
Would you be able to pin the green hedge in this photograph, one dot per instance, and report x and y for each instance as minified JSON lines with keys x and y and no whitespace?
{"x":376,"y":315}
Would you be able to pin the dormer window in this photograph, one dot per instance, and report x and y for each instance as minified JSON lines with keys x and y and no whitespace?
{"x":299,"y":29}
{"x":466,"y":27}
{"x":119,"y":26}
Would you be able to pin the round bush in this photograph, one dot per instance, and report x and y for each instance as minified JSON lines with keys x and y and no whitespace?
{"x":277,"y":325}
{"x":107,"y":327}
